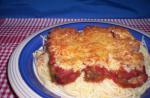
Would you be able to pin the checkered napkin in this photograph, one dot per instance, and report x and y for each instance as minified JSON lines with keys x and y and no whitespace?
{"x":14,"y":31}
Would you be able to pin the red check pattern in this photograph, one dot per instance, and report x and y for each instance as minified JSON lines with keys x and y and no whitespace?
{"x":14,"y":31}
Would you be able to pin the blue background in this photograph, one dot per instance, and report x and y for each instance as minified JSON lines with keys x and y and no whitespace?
{"x":75,"y":8}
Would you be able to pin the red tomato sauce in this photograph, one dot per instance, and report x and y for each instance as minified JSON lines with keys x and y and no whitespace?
{"x":132,"y":79}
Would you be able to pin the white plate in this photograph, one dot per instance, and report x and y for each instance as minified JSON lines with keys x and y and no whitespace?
{"x":21,"y":71}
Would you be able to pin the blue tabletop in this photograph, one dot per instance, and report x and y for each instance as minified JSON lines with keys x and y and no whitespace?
{"x":75,"y":8}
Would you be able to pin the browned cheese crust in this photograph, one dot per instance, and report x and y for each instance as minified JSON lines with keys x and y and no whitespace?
{"x":109,"y":47}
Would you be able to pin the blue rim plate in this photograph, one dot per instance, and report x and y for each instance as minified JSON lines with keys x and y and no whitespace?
{"x":21,"y":72}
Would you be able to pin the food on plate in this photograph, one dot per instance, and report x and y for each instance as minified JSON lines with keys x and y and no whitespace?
{"x":96,"y":62}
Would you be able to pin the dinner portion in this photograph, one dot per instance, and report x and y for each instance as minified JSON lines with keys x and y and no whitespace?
{"x":96,"y":62}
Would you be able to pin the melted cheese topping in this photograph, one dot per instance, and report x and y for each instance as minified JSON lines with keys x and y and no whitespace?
{"x":110,"y":47}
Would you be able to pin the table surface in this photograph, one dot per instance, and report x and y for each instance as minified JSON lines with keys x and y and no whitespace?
{"x":14,"y":30}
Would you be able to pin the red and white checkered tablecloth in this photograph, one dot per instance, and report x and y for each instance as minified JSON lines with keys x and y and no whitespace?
{"x":14,"y":30}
